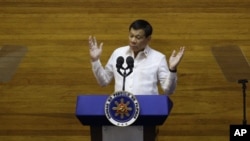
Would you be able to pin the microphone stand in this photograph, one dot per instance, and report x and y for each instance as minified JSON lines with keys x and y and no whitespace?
{"x":124,"y":75}
{"x":243,"y":82}
{"x":130,"y":65}
{"x":124,"y":79}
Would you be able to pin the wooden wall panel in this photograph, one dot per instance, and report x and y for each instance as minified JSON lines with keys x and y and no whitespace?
{"x":38,"y":103}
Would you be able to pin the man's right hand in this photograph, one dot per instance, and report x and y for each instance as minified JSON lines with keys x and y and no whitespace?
{"x":94,"y":50}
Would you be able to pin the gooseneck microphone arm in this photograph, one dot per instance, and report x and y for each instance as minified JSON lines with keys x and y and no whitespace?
{"x":119,"y":66}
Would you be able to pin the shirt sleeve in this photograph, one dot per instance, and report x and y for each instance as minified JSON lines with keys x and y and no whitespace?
{"x":102,"y":75}
{"x":168,"y":80}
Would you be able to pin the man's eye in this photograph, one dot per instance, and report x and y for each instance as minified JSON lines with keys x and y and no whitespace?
{"x":137,"y":37}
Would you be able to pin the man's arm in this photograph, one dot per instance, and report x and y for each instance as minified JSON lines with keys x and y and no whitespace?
{"x":168,"y":80}
{"x":169,"y":83}
{"x":103,"y":76}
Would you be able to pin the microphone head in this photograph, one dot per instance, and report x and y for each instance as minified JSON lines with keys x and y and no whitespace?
{"x":130,"y":62}
{"x":119,"y":62}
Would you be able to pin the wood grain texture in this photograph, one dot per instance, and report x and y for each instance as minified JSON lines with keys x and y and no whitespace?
{"x":38,"y":103}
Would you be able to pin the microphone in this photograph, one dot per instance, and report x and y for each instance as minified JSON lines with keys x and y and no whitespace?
{"x":130,"y":66}
{"x":130,"y":62}
{"x":119,"y":62}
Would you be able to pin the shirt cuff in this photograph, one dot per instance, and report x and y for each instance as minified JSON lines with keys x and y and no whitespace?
{"x":172,"y":75}
{"x":96,"y":64}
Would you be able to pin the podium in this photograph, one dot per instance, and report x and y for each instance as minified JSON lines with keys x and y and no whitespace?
{"x":154,"y":110}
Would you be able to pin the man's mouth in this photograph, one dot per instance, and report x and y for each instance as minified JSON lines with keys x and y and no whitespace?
{"x":133,"y":46}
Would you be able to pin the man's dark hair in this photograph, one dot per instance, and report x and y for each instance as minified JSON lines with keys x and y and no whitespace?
{"x":142,"y":24}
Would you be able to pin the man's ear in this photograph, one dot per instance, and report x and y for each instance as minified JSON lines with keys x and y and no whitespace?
{"x":149,"y":38}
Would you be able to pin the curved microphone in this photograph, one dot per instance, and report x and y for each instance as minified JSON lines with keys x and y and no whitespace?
{"x":119,"y":62}
{"x":130,"y":62}
{"x":130,"y":65}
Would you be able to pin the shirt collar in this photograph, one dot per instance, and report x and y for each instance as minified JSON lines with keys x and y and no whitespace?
{"x":146,"y":51}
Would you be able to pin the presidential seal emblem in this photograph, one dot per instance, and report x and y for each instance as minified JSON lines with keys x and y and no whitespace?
{"x":122,"y":108}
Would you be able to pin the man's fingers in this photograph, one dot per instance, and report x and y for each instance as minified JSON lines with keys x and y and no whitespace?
{"x":94,"y":41}
{"x":90,"y":42}
{"x":100,"y":47}
{"x":182,"y":49}
{"x":173,"y":53}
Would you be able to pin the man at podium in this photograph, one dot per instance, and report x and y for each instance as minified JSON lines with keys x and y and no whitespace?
{"x":149,"y":68}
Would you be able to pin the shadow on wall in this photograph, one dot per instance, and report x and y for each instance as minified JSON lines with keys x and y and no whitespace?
{"x":232,"y":62}
{"x":10,"y":58}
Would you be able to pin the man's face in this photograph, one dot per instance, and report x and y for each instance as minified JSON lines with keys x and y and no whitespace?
{"x":137,"y":40}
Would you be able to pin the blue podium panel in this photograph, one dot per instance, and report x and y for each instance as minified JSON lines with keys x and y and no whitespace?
{"x":154,"y":109}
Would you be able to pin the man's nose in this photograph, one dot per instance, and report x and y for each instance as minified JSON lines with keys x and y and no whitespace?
{"x":133,"y":40}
